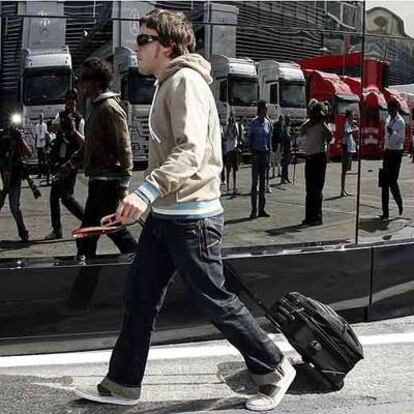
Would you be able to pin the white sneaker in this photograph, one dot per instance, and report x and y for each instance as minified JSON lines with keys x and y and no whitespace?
{"x":272,"y":387}
{"x":101,"y":393}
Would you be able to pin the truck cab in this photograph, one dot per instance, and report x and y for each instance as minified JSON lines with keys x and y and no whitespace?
{"x":373,"y":117}
{"x":282,"y":86}
{"x":136,"y":96}
{"x":46,"y":76}
{"x":235,"y":87}
{"x":328,"y":87}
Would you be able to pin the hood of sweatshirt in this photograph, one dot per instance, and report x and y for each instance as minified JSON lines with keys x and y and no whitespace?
{"x":190,"y":60}
{"x":105,"y":95}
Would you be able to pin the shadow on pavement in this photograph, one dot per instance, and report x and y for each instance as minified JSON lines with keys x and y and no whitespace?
{"x":371,"y":225}
{"x":337,"y":197}
{"x":161,"y":407}
{"x":288,"y":229}
{"x":237,"y":220}
{"x":18,"y":244}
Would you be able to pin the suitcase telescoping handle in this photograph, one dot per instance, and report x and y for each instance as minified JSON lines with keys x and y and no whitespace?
{"x":229,"y":271}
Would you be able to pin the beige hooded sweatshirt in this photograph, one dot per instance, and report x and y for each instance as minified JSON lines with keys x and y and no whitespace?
{"x":185,"y":158}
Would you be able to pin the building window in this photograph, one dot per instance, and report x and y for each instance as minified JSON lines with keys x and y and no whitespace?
{"x":343,"y":13}
{"x":274,"y":94}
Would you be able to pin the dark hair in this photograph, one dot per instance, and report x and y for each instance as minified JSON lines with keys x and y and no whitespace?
{"x":348,"y":112}
{"x":393,"y":103}
{"x":261,"y":105}
{"x":72,"y":93}
{"x":172,"y":27}
{"x":317,"y":110}
{"x":97,"y":70}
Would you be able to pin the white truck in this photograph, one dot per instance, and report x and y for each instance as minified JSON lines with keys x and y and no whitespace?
{"x":136,"y":94}
{"x":235,"y":87}
{"x":46,"y":76}
{"x":282,"y":86}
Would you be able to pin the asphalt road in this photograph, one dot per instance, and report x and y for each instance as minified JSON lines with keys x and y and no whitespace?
{"x":210,"y":377}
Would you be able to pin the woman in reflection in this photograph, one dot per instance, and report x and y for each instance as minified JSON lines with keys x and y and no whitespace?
{"x":348,"y":148}
{"x":317,"y":136}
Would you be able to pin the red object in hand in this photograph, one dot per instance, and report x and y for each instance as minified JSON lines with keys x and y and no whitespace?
{"x":109,"y":224}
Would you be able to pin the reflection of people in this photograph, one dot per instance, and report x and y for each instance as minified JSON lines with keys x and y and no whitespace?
{"x":286,"y":150}
{"x":348,"y":147}
{"x":275,"y":158}
{"x":231,"y":142}
{"x":183,"y":232}
{"x":107,"y":156}
{"x":394,"y":143}
{"x":317,"y":136}
{"x":259,"y":140}
{"x":13,"y":172}
{"x":40,"y":143}
{"x":69,"y":126}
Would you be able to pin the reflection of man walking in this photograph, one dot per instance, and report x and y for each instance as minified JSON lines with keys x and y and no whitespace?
{"x":394,"y":143}
{"x":70,"y":134}
{"x":107,"y":159}
{"x":183,"y":231}
{"x":259,"y":140}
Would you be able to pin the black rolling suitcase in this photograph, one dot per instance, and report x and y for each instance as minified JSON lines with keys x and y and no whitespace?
{"x":322,"y":337}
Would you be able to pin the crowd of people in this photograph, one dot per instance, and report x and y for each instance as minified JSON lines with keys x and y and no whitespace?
{"x":102,"y":148}
{"x":60,"y":148}
{"x":272,"y":146}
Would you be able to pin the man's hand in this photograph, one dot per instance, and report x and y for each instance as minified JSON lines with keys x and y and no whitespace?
{"x":132,"y":207}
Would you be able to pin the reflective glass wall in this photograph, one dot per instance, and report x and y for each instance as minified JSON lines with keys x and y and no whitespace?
{"x":386,"y":211}
{"x":286,"y":53}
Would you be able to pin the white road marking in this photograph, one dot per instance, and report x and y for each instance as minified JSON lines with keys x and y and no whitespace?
{"x":194,"y":350}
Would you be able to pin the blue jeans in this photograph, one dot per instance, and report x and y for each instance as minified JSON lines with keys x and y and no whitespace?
{"x":193,"y":249}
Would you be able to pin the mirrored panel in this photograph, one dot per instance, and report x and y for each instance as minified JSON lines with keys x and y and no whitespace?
{"x":386,"y":176}
{"x":298,"y":186}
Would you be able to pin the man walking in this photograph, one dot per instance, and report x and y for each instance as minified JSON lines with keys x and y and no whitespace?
{"x":13,"y":172}
{"x":184,"y":229}
{"x":259,"y":140}
{"x":70,"y":127}
{"x":106,"y":156}
{"x":394,"y":143}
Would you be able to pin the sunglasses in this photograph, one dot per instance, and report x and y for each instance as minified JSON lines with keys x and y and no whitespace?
{"x":144,"y":39}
